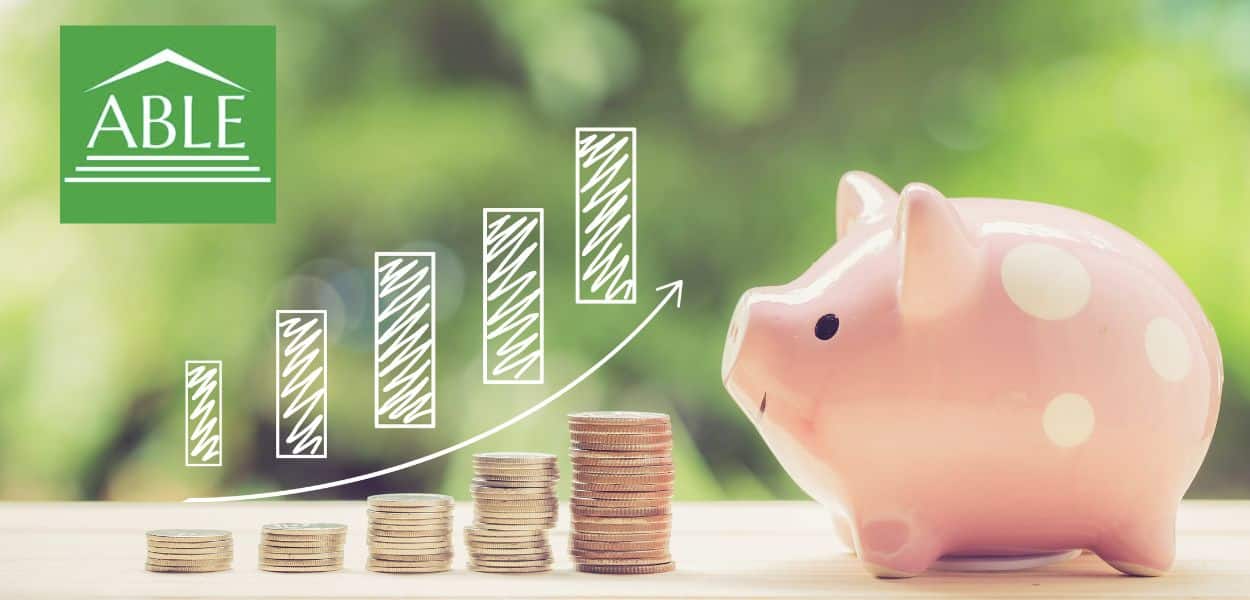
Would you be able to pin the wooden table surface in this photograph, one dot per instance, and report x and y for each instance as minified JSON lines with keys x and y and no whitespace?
{"x":773,"y":549}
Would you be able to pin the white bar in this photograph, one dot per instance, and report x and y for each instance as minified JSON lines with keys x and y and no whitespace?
{"x":167,"y":180}
{"x":162,"y":169}
{"x":506,"y":294}
{"x":308,"y":374}
{"x":405,"y":340}
{"x":166,"y":157}
{"x":205,"y":394}
{"x":606,"y":285}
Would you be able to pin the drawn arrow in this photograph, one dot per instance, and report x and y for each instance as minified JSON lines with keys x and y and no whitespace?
{"x":673,"y":290}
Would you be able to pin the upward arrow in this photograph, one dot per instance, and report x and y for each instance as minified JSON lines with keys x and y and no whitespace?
{"x":674,"y":289}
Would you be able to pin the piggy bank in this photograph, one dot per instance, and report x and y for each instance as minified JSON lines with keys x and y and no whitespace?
{"x":981,"y":377}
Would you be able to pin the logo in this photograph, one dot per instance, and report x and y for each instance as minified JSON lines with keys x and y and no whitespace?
{"x":168,"y":124}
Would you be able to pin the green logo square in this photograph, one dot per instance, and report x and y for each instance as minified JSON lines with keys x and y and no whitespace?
{"x":168,"y":124}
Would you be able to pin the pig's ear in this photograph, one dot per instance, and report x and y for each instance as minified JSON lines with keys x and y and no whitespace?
{"x":863,"y":198}
{"x":940,"y":262}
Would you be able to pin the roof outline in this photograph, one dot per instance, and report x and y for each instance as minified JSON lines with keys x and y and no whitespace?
{"x":166,"y":56}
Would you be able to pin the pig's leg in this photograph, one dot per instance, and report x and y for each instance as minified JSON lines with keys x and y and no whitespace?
{"x":894,"y":548}
{"x":842,"y":530}
{"x":1145,"y":548}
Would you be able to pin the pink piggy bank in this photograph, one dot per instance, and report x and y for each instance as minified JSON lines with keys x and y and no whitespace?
{"x":979,"y":377}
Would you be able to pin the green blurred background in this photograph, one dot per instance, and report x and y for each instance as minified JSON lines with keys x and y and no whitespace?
{"x":400,"y":121}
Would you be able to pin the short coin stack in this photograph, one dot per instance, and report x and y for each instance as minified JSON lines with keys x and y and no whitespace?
{"x":514,"y":505}
{"x":410,"y":533}
{"x":189,"y":550}
{"x":622,"y":492}
{"x":302,"y":547}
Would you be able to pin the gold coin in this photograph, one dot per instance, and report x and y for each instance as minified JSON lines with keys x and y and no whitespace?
{"x":656,"y":429}
{"x":630,"y":436}
{"x":492,"y":478}
{"x":581,"y":462}
{"x":430,"y":568}
{"x":305,"y":529}
{"x":409,"y":541}
{"x":517,"y":468}
{"x":523,"y":538}
{"x":227,"y":556}
{"x":389,"y":551}
{"x":442,"y":543}
{"x":408,"y":533}
{"x":648,"y":449}
{"x":512,"y":527}
{"x":544,"y":484}
{"x":660,"y":555}
{"x":623,"y":471}
{"x":408,"y":516}
{"x":514,"y":457}
{"x":188,"y":535}
{"x":622,"y":561}
{"x":626,"y":479}
{"x":639,"y":511}
{"x":170,"y":562}
{"x":644,"y":502}
{"x":522,"y":523}
{"x":301,"y":556}
{"x":160,"y":543}
{"x":294,"y":569}
{"x":579,"y":454}
{"x":617,"y":417}
{"x":627,"y":569}
{"x":191,"y":551}
{"x":525,"y":507}
{"x":619,"y":537}
{"x":510,"y":564}
{"x":300,"y":562}
{"x":622,"y":487}
{"x":518,"y":546}
{"x":205,"y":569}
{"x":289,"y":545}
{"x":514,"y":570}
{"x":496,"y":543}
{"x":325,"y":539}
{"x":409,"y":524}
{"x":515,"y":514}
{"x":401,"y":557}
{"x":526,"y":559}
{"x":536,"y":553}
{"x":410,"y":501}
{"x":617,"y":546}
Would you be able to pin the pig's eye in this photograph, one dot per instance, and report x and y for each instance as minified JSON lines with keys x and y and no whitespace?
{"x":826,"y":326}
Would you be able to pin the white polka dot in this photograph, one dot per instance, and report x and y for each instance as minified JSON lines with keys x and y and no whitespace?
{"x":1165,"y":347}
{"x":1068,"y":420}
{"x":1045,"y":281}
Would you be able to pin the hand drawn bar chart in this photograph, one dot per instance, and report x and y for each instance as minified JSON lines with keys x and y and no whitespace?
{"x":404,"y":319}
{"x":512,"y":296}
{"x":404,"y":367}
{"x":302,"y":388}
{"x":203,"y":419}
{"x":606,"y":181}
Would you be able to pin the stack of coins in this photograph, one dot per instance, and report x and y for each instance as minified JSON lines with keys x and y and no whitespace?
{"x":189,"y":550}
{"x":409,"y":533}
{"x":514,"y":504}
{"x":302,"y":547}
{"x":622,"y":492}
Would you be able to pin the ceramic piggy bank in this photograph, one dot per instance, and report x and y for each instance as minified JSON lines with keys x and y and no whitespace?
{"x":978,"y":377}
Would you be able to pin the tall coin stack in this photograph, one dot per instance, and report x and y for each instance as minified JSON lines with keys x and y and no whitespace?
{"x":514,"y":504}
{"x":410,"y":533}
{"x":622,"y":492}
{"x":302,"y":547}
{"x":189,"y":550}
